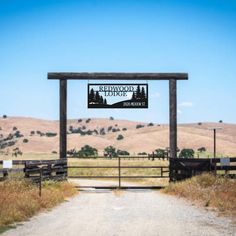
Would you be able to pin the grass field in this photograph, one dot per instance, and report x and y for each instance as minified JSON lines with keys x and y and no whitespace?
{"x":105,"y":171}
{"x":124,"y":171}
{"x":19,"y":199}
{"x":208,"y":191}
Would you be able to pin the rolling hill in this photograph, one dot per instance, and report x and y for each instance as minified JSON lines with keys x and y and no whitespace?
{"x":147,"y":138}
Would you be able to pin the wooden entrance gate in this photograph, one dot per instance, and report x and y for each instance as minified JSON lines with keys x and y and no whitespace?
{"x":171,"y":77}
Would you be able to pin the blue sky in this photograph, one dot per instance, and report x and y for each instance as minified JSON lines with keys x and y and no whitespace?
{"x":197,"y":37}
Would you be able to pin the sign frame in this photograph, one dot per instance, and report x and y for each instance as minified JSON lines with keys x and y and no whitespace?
{"x":111,"y":106}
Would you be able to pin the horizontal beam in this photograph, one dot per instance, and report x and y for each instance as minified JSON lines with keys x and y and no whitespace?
{"x":117,"y":76}
{"x":123,"y":167}
{"x":117,"y":177}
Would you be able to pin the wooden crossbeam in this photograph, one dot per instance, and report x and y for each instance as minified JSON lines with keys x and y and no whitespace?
{"x":116,"y":76}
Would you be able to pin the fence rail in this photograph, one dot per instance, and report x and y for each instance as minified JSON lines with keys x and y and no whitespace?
{"x":181,"y":168}
{"x":178,"y":169}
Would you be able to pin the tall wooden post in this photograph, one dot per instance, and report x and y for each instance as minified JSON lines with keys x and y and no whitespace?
{"x":63,"y":118}
{"x":173,"y":125}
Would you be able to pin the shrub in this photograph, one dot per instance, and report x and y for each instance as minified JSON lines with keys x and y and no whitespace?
{"x":32,"y":132}
{"x":150,"y":124}
{"x":80,"y":120}
{"x":4,"y":116}
{"x":95,"y":131}
{"x":111,"y":118}
{"x":124,"y":129}
{"x":199,"y":123}
{"x":14,"y":128}
{"x":220,"y":121}
{"x":186,"y":153}
{"x":142,"y":154}
{"x":102,"y":131}
{"x":18,"y":134}
{"x":51,"y":134}
{"x":54,"y":152}
{"x":115,"y":130}
{"x":139,"y":126}
{"x":202,"y":149}
{"x":89,"y":132}
{"x":88,"y":120}
{"x":122,"y":153}
{"x":109,"y":128}
{"x":25,"y":140}
{"x":40,"y":133}
{"x":120,"y":137}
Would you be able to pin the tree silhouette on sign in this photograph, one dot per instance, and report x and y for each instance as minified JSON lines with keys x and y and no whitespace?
{"x":143,"y":94}
{"x":138,"y":93}
{"x":91,"y":96}
{"x":96,"y":97}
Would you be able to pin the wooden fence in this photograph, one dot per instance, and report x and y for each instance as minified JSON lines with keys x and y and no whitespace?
{"x":182,"y":168}
{"x":179,"y":169}
{"x":37,"y":170}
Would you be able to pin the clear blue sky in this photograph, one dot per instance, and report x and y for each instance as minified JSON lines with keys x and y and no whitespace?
{"x":197,"y":37}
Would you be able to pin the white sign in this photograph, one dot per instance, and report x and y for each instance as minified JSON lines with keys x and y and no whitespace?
{"x":225,"y":161}
{"x":7,"y":164}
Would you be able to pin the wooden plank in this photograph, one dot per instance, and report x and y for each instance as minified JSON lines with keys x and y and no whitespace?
{"x":116,"y":76}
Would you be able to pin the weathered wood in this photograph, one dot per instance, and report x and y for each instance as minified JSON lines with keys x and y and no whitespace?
{"x":117,"y":76}
{"x":173,"y":118}
{"x":63,"y":118}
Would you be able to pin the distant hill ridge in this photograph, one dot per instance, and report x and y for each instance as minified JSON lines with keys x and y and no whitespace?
{"x":100,"y":133}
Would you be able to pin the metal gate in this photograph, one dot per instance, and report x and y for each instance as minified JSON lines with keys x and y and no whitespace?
{"x":162,"y":172}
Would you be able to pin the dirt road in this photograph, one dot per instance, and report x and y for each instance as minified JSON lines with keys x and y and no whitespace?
{"x":130,"y":212}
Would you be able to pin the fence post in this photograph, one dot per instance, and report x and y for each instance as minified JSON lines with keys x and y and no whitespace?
{"x":40,"y":182}
{"x":119,"y":171}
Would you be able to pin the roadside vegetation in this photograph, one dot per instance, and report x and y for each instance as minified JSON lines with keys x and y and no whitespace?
{"x":208,"y":191}
{"x":20,"y":200}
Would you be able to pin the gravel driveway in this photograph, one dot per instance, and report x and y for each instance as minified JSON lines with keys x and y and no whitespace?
{"x":129,"y":212}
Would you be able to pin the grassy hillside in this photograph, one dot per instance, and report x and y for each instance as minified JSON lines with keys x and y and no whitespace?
{"x":41,"y":136}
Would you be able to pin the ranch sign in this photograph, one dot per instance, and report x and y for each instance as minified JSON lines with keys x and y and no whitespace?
{"x":117,"y":95}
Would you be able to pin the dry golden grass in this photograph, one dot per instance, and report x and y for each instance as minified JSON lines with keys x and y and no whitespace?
{"x":146,"y":139}
{"x":209,"y":191}
{"x":19,"y":199}
{"x":124,"y":171}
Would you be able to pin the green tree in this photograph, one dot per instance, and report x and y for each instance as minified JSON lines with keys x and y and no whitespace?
{"x":186,"y":153}
{"x":120,"y":137}
{"x":110,"y":151}
{"x":87,"y":151}
{"x":160,"y":153}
